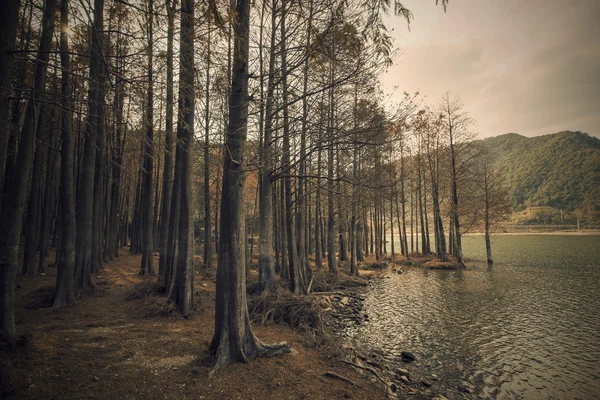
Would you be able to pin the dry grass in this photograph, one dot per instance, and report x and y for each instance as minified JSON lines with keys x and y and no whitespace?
{"x":443,"y":265}
{"x":325,"y":281}
{"x":147,"y":287}
{"x":301,"y":312}
{"x":375,"y":266}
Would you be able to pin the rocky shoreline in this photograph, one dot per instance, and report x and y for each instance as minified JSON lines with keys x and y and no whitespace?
{"x":404,"y":377}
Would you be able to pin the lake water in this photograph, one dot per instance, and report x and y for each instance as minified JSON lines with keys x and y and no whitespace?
{"x":527,"y":328}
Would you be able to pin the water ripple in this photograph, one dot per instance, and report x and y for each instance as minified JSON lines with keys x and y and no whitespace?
{"x":528,"y":328}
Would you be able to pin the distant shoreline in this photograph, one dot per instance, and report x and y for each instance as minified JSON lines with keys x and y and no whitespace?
{"x":539,"y":233}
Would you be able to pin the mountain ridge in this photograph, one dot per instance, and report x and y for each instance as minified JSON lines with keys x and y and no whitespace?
{"x":559,"y":170}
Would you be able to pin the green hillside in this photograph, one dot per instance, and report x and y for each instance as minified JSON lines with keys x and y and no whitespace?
{"x":561,"y":170}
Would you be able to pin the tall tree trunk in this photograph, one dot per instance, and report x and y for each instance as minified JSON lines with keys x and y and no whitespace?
{"x":47,"y":210}
{"x":9,"y":19}
{"x":318,"y":245}
{"x":183,"y":289}
{"x":169,"y":151}
{"x":297,"y":283}
{"x":392,"y":225}
{"x":85,"y":195}
{"x":99,"y":205}
{"x":486,"y":218}
{"x":33,"y":213}
{"x":147,"y":267}
{"x":421,"y":212}
{"x":353,"y":229}
{"x":234,"y":340}
{"x":300,"y":199}
{"x":285,"y":268}
{"x":117,"y":157}
{"x":427,"y":238}
{"x":276,"y":229}
{"x":12,"y":210}
{"x":342,"y":221}
{"x":207,"y":225}
{"x":331,"y":257}
{"x":266,"y":270}
{"x":64,"y":293}
{"x":172,"y":239}
{"x":455,"y":214}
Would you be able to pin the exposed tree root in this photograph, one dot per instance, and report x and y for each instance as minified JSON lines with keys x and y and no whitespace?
{"x":330,"y":374}
{"x":253,"y":348}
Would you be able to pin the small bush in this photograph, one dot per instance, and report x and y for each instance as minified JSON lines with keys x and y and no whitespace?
{"x":144,"y":289}
{"x":40,"y":298}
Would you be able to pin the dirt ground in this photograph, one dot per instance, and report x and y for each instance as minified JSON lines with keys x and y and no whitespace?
{"x":105,"y":348}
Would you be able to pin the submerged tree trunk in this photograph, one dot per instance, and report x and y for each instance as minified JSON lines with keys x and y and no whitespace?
{"x":486,"y":218}
{"x":234,"y":340}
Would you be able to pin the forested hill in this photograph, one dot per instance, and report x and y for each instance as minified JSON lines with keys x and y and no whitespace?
{"x":560,"y":170}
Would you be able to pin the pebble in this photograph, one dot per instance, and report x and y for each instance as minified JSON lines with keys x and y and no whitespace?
{"x":465,"y":387}
{"x":405,"y":379}
{"x":402,"y":372}
{"x":407,"y":356}
{"x":425,"y":382}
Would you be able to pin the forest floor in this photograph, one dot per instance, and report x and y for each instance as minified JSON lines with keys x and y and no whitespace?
{"x":106,"y":348}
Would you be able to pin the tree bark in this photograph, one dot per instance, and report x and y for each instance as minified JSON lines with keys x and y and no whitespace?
{"x":33,"y":214}
{"x":64,"y":293}
{"x":331,"y":256}
{"x":47,"y":210}
{"x":266,"y":269}
{"x":183,"y":289}
{"x":147,"y":267}
{"x":234,"y":340}
{"x":85,"y":195}
{"x":207,"y":224}
{"x":9,"y":19}
{"x":297,"y":283}
{"x":169,"y":151}
{"x":12,"y":210}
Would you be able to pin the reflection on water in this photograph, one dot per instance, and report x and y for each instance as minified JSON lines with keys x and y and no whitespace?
{"x":528,"y":328}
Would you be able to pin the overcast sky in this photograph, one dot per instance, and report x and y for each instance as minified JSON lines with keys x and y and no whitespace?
{"x":525,"y":66}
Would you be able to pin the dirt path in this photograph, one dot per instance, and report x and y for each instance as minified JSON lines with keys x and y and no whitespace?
{"x":104,"y":348}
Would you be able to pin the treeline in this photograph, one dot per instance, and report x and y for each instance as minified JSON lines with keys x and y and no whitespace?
{"x":137,"y":123}
{"x":560,"y":170}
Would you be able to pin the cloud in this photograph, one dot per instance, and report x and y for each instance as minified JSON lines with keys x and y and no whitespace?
{"x":531,"y":68}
